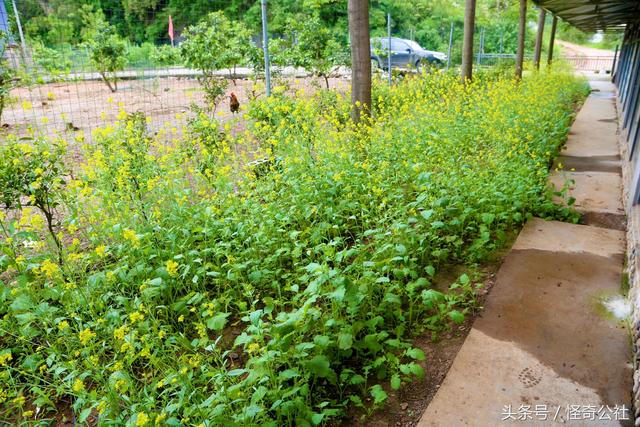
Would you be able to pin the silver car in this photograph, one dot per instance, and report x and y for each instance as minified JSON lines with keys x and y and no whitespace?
{"x":404,"y":54}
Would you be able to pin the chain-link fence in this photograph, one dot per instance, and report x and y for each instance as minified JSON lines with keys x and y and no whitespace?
{"x":57,"y":84}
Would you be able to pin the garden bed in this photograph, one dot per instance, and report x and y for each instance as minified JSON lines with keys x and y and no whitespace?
{"x":179,"y":286}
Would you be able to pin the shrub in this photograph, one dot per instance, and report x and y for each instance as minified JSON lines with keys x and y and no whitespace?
{"x":315,"y":49}
{"x":166,"y":55}
{"x":214,"y":44}
{"x":107,"y":50}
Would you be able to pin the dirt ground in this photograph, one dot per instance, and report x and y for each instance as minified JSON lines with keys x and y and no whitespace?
{"x":67,"y":108}
{"x":570,"y":49}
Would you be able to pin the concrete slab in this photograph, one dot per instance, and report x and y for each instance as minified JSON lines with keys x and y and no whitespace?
{"x":593,"y":191}
{"x":553,"y":236}
{"x":598,"y":196}
{"x":594,"y":131}
{"x":589,"y":164}
{"x":543,"y":338}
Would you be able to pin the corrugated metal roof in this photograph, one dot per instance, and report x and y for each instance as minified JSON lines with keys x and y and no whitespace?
{"x":593,"y":15}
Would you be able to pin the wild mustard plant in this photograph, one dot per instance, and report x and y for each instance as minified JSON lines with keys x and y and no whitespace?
{"x":203,"y":293}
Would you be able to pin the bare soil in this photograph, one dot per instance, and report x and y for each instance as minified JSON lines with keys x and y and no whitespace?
{"x":67,"y":108}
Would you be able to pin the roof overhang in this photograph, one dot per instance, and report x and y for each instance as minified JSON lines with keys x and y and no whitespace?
{"x":594,"y":15}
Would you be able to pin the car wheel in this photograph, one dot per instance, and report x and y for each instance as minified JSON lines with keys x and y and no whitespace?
{"x":419,"y":66}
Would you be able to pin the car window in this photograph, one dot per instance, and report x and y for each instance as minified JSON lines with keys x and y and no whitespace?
{"x":414,"y":45}
{"x":398,"y":46}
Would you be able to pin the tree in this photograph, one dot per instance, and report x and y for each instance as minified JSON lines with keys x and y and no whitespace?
{"x":360,"y":58}
{"x":522,"y":28}
{"x":469,"y":27}
{"x":106,"y":48}
{"x":107,"y":54}
{"x":214,"y":44}
{"x":315,"y":49}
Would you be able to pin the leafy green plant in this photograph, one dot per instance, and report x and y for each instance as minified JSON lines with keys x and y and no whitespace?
{"x":215,"y":44}
{"x":198,"y":289}
{"x":315,"y":49}
{"x":107,"y":50}
{"x":166,"y":55}
{"x":31,"y":174}
{"x":8,"y":74}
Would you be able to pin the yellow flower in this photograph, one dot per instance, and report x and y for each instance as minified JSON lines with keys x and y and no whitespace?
{"x":130,"y":235}
{"x":172,"y":268}
{"x":49,"y":269}
{"x":142,"y":419}
{"x":101,"y":406}
{"x":120,"y":332}
{"x":63,"y":325}
{"x":78,"y":386}
{"x":101,"y":250}
{"x":27,"y":414}
{"x":160,"y":418}
{"x":5,"y":358}
{"x":86,"y":335}
{"x":181,"y":318}
{"x":136,"y":316}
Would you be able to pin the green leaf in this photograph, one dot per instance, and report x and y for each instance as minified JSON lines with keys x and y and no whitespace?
{"x":320,"y":366}
{"x":395,"y":382}
{"x":289,"y":373}
{"x":427,"y":214}
{"x":456,"y":316}
{"x":345,"y":341}
{"x":488,"y":218}
{"x":218,"y":322}
{"x":316,"y":418}
{"x":416,"y":353}
{"x":430,"y":270}
{"x":378,"y":394}
{"x":416,"y":370}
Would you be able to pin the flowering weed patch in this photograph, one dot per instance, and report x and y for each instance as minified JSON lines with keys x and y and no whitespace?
{"x":183,"y":283}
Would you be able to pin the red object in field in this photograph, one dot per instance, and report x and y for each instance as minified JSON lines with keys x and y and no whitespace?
{"x":171,"y":29}
{"x":234,"y":104}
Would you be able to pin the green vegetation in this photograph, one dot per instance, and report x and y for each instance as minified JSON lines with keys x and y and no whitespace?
{"x":7,"y":74}
{"x":176,"y":283}
{"x":215,"y":43}
{"x":59,"y":24}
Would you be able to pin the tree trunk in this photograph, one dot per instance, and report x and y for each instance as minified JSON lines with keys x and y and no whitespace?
{"x":522,"y":28}
{"x":538,"y":51}
{"x":552,"y":39}
{"x":360,"y":58}
{"x":467,"y":44}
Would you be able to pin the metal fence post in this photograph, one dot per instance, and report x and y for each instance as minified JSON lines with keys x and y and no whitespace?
{"x":450,"y":46}
{"x":481,"y":49}
{"x":389,"y":47}
{"x":19,"y":25}
{"x":265,"y":47}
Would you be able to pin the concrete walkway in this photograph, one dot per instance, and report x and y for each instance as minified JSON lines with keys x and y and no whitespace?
{"x":546,"y":349}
